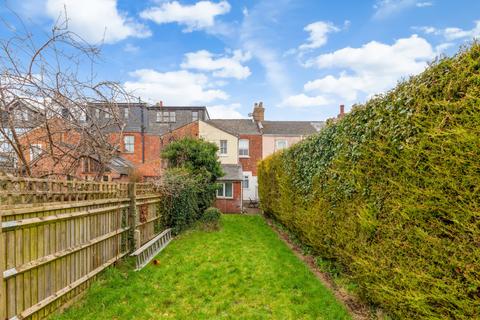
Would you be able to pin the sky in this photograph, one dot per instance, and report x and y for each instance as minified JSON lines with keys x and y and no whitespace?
{"x":302,"y":58}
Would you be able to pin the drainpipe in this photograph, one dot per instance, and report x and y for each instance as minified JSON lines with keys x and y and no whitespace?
{"x":241,"y":196}
{"x":142,"y":129}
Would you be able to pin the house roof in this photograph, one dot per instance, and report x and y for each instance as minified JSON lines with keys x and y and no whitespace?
{"x":291,"y":127}
{"x":120,"y":165}
{"x":233,"y":172}
{"x":235,"y":126}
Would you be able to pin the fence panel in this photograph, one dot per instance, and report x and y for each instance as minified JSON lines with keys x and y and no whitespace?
{"x":55,"y":237}
{"x":149,"y":213}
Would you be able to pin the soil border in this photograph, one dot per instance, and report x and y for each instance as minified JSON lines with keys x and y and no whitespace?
{"x":357,"y":309}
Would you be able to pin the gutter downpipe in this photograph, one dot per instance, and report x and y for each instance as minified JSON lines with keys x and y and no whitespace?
{"x":143,"y":132}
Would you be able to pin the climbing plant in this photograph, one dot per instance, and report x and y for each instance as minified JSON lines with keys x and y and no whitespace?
{"x":391,"y":192}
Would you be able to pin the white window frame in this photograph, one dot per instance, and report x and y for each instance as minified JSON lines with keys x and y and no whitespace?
{"x":246,"y":181}
{"x":222,"y":190}
{"x":107,"y":114}
{"x":35,"y":151}
{"x":125,"y":113}
{"x":220,"y":149}
{"x":127,"y":144}
{"x":82,"y":117}
{"x":241,"y":151}
{"x":280,"y":140}
{"x":196,"y":113}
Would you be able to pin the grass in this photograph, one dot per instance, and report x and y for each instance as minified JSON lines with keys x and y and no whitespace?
{"x":243,"y":271}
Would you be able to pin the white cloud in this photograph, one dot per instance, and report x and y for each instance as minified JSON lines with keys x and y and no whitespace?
{"x":221,"y":66}
{"x":199,"y":16}
{"x":302,"y":101}
{"x":458,"y":33}
{"x":424,"y":4}
{"x":131,"y":48}
{"x":441,"y":48}
{"x":373,"y":68}
{"x":257,"y":35}
{"x":405,"y":56}
{"x":386,"y":8}
{"x":96,"y":20}
{"x":318,"y":34}
{"x":452,"y":33}
{"x":222,"y":111}
{"x":174,"y":87}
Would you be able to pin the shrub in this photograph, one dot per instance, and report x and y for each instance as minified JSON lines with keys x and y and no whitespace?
{"x":211,"y":219}
{"x":180,"y":203}
{"x":188,"y":185}
{"x":392,"y":193}
{"x":198,"y":157}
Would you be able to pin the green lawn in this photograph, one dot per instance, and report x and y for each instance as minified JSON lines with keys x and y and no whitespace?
{"x":243,"y":271}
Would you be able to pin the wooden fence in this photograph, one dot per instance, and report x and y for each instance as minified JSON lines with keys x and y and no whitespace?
{"x":56,"y":236}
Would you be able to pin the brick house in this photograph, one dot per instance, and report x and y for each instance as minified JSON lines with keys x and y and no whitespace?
{"x":249,"y":150}
{"x":63,"y":160}
{"x":229,"y":196}
{"x":243,"y":143}
{"x":140,"y":140}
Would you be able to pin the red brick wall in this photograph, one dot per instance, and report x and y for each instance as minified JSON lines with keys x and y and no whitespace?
{"x":231,"y":205}
{"x":250,"y":164}
{"x":152,"y":147}
{"x":189,"y":130}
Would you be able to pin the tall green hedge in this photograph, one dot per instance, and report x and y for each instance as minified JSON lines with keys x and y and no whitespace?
{"x":392,"y":192}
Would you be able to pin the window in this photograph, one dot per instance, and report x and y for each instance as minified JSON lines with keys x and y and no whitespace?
{"x":280,"y":144}
{"x":243,"y":146}
{"x":35,"y":151}
{"x":108,"y":115}
{"x":246,"y":182}
{"x":223,"y":147}
{"x":166,"y":116}
{"x":194,"y":115}
{"x":82,"y":116}
{"x":225,"y":191}
{"x":129,"y":142}
{"x":125,"y":113}
{"x":22,"y":115}
{"x":97,"y":113}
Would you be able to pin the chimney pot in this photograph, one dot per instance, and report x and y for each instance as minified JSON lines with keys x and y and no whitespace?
{"x":258,"y":112}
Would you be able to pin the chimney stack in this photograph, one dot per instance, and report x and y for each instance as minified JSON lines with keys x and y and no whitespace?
{"x":258,"y":112}
{"x":342,"y":111}
{"x":160,"y":103}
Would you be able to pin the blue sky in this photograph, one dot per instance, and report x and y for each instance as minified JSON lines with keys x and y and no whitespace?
{"x":302,"y":58}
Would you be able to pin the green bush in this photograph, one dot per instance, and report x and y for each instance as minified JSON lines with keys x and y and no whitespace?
{"x":198,"y":157}
{"x":188,"y":185}
{"x":392,"y":193}
{"x":211,"y":219}
{"x":180,"y":201}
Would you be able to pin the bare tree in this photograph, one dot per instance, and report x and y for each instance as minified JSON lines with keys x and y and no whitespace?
{"x":53,"y":112}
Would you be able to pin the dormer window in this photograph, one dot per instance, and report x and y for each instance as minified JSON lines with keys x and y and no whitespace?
{"x":166,"y":116}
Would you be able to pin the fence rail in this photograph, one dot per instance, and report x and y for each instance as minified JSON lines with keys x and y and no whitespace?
{"x":57,"y":236}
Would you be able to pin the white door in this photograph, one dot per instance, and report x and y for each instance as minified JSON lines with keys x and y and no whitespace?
{"x":250,"y":186}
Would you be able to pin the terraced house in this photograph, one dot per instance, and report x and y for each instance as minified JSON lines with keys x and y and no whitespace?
{"x":147,"y":129}
{"x":242,"y":144}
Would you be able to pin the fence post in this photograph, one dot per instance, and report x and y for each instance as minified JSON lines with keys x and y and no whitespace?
{"x":3,"y":295}
{"x":134,"y":239}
